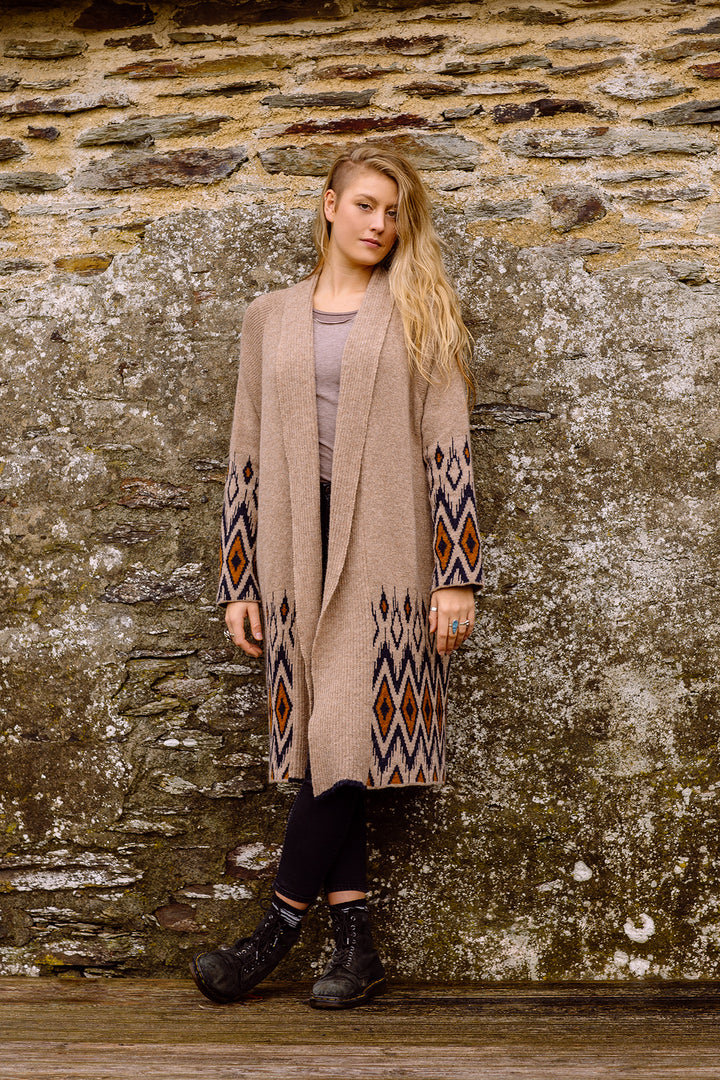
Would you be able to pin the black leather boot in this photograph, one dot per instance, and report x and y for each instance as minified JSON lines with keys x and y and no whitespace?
{"x":228,"y":972}
{"x":354,"y":973}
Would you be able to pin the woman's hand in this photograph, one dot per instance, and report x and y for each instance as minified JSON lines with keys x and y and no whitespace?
{"x":455,"y":602}
{"x":235,"y":614}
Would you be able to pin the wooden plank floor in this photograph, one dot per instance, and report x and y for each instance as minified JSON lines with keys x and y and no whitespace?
{"x":79,"y":1029}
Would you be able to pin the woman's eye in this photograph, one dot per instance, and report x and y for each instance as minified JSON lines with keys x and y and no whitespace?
{"x":364,"y":206}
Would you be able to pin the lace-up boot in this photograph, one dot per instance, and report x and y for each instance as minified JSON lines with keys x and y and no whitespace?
{"x":228,"y":972}
{"x":354,"y":973}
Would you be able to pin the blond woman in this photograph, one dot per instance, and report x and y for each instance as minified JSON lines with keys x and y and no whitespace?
{"x":350,"y":548}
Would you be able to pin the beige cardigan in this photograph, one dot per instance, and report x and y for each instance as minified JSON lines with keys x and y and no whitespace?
{"x":353,"y":677}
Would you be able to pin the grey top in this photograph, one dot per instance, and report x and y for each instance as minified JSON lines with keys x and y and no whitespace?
{"x":330,"y":332}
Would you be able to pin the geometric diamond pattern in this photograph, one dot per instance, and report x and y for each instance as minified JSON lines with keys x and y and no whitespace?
{"x":410,"y":681}
{"x":238,"y":579}
{"x":279,"y":651}
{"x":457,"y":549}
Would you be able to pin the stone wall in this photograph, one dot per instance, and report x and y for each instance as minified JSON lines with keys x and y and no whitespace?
{"x":160,"y":166}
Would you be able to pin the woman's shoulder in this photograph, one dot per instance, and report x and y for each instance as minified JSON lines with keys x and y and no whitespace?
{"x":270,"y":303}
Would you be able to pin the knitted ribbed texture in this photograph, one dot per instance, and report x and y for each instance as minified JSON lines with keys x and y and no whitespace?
{"x":353,"y":675}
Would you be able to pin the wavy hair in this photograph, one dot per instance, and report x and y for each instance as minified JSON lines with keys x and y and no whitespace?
{"x":435,"y":335}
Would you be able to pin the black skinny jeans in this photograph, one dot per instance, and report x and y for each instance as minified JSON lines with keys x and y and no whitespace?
{"x":325,"y":843}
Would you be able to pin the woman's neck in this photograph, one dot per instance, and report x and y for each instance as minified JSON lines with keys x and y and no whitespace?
{"x":341,"y":288}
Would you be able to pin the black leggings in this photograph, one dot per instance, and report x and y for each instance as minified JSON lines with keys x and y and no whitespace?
{"x":325,"y":843}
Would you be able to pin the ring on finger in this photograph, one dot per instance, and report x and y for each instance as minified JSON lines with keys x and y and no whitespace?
{"x":228,"y":635}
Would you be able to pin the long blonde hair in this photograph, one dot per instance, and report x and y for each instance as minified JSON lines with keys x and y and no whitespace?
{"x":435,"y":335}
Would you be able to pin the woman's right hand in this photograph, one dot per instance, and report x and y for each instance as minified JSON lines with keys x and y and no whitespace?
{"x":235,"y":614}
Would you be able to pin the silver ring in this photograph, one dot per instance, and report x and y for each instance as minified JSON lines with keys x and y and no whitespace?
{"x":433,"y":609}
{"x":228,"y":635}
{"x":466,"y":623}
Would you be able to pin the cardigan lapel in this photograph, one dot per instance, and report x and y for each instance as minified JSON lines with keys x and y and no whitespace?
{"x":296,"y":390}
{"x":357,"y":381}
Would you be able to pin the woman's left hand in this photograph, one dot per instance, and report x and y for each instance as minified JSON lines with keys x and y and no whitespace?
{"x":455,"y":602}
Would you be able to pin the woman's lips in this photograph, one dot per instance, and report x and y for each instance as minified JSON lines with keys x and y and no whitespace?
{"x":372,"y":243}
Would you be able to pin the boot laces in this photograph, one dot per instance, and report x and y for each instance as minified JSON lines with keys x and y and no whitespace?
{"x":265,"y":936}
{"x":345,"y":938}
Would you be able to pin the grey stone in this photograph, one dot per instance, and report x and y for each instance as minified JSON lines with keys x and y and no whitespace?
{"x":175,"y":168}
{"x":662,"y":195}
{"x":463,"y":112}
{"x":589,"y":68}
{"x":640,"y":87}
{"x":51,"y":49}
{"x":11,"y":148}
{"x":4,"y":217}
{"x":161,"y":68}
{"x":8,"y":83}
{"x":591,"y":41}
{"x":684,"y":49}
{"x":198,"y":37}
{"x":31,"y":181}
{"x":493,"y":88}
{"x":72,"y":104}
{"x":135,"y":42}
{"x":140,"y":128}
{"x":628,"y":176}
{"x":511,"y":210}
{"x":141,"y":585}
{"x":479,"y":48}
{"x":225,"y":90}
{"x":11,"y":266}
{"x":482,"y":67}
{"x":61,"y":869}
{"x":688,"y":112}
{"x":711,"y":27}
{"x":601,"y":142}
{"x":153,"y":494}
{"x":573,"y":205}
{"x":341,"y":99}
{"x":355,"y":71}
{"x":534,"y":16}
{"x":425,"y":151}
{"x":46,"y":84}
{"x":133,"y":534}
{"x":502,"y":413}
{"x":709,"y":224}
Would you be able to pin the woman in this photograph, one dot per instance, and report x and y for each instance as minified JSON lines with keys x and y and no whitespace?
{"x":350,"y":517}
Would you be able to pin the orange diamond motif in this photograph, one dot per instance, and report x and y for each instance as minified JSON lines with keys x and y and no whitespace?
{"x":237,"y":560}
{"x":396,"y":778}
{"x":420,"y":778}
{"x":427,"y":710}
{"x":282,"y":707}
{"x":443,"y":546}
{"x":440,"y":717}
{"x":469,"y":542}
{"x":384,"y":707}
{"x":409,"y":709}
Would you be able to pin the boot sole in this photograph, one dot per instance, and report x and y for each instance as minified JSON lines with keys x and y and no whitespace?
{"x":377,"y":987}
{"x":211,"y":995}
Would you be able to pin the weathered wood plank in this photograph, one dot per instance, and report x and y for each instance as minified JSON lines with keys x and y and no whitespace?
{"x":78,"y":1029}
{"x":58,"y":1061}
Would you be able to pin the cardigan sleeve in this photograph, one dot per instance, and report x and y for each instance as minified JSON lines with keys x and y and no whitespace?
{"x":447,"y":453}
{"x":238,"y":539}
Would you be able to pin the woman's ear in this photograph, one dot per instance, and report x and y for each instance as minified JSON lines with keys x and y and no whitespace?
{"x":329,"y":204}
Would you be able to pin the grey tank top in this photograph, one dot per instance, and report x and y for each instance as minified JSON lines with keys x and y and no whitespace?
{"x":330,"y":332}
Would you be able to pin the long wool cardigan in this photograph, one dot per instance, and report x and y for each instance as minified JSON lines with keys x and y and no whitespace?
{"x":353,"y":676}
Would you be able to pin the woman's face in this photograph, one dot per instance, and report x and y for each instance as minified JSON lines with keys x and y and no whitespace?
{"x":363,"y":218}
